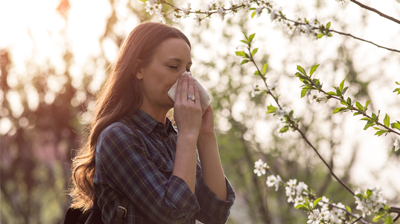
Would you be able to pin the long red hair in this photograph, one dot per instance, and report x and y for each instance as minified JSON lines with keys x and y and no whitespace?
{"x":120,"y":95}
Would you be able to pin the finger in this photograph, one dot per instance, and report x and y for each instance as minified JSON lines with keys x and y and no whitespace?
{"x":191,"y":90}
{"x":178,"y":89}
{"x":197,"y":95}
{"x":184,"y":88}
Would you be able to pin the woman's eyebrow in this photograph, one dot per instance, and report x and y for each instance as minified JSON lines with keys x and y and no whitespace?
{"x":179,"y":60}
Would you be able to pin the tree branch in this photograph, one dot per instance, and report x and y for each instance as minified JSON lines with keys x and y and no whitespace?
{"x":296,"y":127}
{"x":376,"y":11}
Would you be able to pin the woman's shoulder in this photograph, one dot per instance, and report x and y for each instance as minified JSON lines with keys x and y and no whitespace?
{"x":117,"y":131}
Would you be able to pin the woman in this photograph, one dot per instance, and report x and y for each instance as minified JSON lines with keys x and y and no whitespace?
{"x":152,"y":167}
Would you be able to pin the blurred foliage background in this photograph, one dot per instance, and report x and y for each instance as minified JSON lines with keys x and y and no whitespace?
{"x":44,"y":109}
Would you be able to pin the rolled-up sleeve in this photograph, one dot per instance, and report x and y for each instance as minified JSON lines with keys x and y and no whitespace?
{"x":214,"y":210}
{"x":126,"y":161}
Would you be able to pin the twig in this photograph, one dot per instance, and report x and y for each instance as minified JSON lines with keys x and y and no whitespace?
{"x":356,"y":109}
{"x":376,"y":11}
{"x":356,"y":220}
{"x":344,"y":34}
{"x":233,"y":9}
{"x":297,"y":128}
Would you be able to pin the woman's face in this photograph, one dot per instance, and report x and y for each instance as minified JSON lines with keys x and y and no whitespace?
{"x":171,"y":58}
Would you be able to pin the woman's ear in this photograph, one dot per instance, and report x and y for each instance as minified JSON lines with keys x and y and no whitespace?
{"x":139,"y":70}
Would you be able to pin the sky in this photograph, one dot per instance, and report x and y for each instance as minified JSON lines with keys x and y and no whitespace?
{"x":32,"y":31}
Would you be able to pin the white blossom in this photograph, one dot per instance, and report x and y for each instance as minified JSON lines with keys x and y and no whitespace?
{"x":325,"y":215}
{"x":300,"y":187}
{"x":258,"y":11}
{"x":259,"y":167}
{"x":279,"y":113}
{"x":272,"y":15}
{"x":396,"y":143}
{"x":247,"y":5}
{"x":212,"y":5}
{"x":273,"y":181}
{"x":150,"y":7}
{"x":314,"y":217}
{"x":316,"y":97}
{"x":221,"y":13}
{"x":309,"y":29}
{"x":232,"y":3}
{"x":162,"y":18}
{"x":158,"y":9}
{"x":255,"y":88}
{"x":372,"y":204}
{"x":273,"y":85}
{"x":197,"y":20}
{"x":176,"y":17}
{"x":186,"y":10}
{"x":291,"y":190}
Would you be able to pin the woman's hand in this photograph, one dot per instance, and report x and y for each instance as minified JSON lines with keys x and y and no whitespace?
{"x":207,"y":123}
{"x":187,"y":113}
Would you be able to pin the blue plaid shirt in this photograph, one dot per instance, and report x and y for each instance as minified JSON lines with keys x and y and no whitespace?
{"x":140,"y":169}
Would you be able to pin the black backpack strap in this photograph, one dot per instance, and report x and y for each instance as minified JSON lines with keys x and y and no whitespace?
{"x":121,"y":212}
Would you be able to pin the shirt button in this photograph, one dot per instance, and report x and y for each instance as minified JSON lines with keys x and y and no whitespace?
{"x":166,"y":139}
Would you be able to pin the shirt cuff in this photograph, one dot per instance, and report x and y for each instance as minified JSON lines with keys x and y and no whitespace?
{"x":183,"y":201}
{"x":211,"y":205}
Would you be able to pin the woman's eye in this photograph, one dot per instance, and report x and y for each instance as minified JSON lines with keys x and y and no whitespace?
{"x":174,"y":67}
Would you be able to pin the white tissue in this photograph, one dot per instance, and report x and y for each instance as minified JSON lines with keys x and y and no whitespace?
{"x":204,"y":96}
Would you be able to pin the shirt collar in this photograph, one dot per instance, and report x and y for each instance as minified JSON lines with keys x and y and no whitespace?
{"x":148,"y":123}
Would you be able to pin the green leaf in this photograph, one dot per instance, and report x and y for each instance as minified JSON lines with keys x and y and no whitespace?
{"x":320,"y":35}
{"x":359,"y":106}
{"x":396,"y":125}
{"x":302,"y":207}
{"x":313,"y":69}
{"x":343,"y":102}
{"x":316,"y":202}
{"x":254,"y":51}
{"x":376,"y":218}
{"x":348,"y":208}
{"x":341,"y":86}
{"x":240,"y":53}
{"x":328,"y":25}
{"x":264,"y":69}
{"x":303,"y":92}
{"x":397,"y":83}
{"x":374,"y":117}
{"x":257,"y":73}
{"x":348,"y":101}
{"x":356,"y":113}
{"x":339,"y":109}
{"x":245,"y":36}
{"x":245,"y":61}
{"x":143,"y":0}
{"x":251,"y":37}
{"x":388,"y":220}
{"x":301,"y":69}
{"x":253,"y":14}
{"x":386,"y":121}
{"x":244,"y":41}
{"x":397,"y":90}
{"x":381,"y":132}
{"x":344,"y":90}
{"x":284,"y":129}
{"x":271,"y":109}
{"x":331,"y":93}
{"x":369,"y":192}
{"x":366,"y":104}
{"x":369,"y":124}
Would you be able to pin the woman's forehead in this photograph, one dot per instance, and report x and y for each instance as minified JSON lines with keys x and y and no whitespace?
{"x":174,"y":49}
